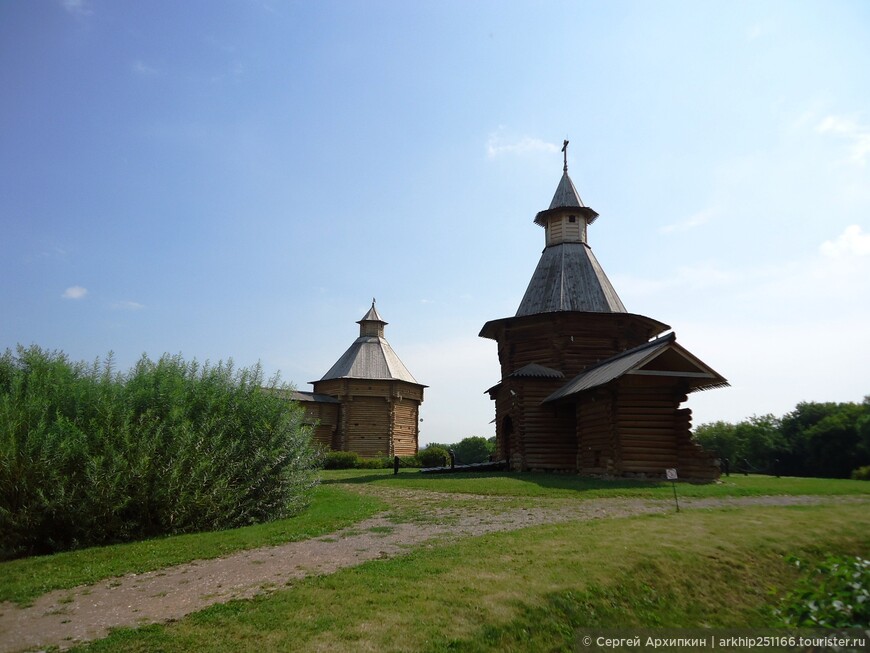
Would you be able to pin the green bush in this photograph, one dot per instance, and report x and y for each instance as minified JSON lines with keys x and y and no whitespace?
{"x":861,"y":474}
{"x":352,"y":460}
{"x":90,"y":457}
{"x":340,"y":460}
{"x":833,"y":594}
{"x":433,"y":456}
{"x":375,"y":463}
{"x":474,"y":449}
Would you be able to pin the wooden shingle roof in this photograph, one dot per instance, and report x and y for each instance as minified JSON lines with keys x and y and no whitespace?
{"x":569,"y":278}
{"x":659,"y":357}
{"x":370,"y":356}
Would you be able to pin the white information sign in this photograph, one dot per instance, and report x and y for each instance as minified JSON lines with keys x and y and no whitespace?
{"x":671,"y":474}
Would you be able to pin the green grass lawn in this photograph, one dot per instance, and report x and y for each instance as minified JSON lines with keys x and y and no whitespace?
{"x":578,"y":487}
{"x":530,"y":590}
{"x":523,"y":590}
{"x":331,"y":508}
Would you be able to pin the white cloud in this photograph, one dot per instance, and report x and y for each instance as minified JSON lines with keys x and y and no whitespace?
{"x":695,"y":220}
{"x":128,"y":306}
{"x":141,"y":68}
{"x":856,"y":134}
{"x":700,"y":277}
{"x":74,"y":292}
{"x":852,"y":242}
{"x":77,"y":7}
{"x":499,"y":145}
{"x":755,"y":31}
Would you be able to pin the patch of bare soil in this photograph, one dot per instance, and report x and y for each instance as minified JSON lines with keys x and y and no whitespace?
{"x":64,"y":618}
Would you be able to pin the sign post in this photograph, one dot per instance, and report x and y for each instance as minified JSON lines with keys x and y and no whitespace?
{"x":672,"y":477}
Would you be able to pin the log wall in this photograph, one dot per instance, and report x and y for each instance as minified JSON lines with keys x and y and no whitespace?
{"x":376,"y":417}
{"x":646,"y":410}
{"x":569,"y":342}
{"x":548,"y":440}
{"x":367,"y":426}
{"x":324,"y":418}
{"x":405,"y":420}
{"x":597,"y":450}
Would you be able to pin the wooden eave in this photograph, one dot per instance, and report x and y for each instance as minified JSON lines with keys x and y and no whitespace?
{"x":495,"y":328}
{"x":536,"y":371}
{"x":585,"y":212}
{"x":313,"y":397}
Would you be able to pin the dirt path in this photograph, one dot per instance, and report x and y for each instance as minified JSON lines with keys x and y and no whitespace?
{"x":64,"y":618}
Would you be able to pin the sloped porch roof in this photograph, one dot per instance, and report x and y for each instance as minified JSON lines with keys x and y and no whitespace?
{"x":659,"y":357}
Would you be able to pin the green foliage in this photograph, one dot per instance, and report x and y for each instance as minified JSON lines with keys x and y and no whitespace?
{"x":434,"y":456}
{"x":473,"y":449}
{"x":382,"y":462}
{"x":816,"y":439}
{"x":352,"y":460}
{"x":89,"y":456}
{"x":833,"y":594}
{"x":340,"y":460}
{"x":861,"y":474}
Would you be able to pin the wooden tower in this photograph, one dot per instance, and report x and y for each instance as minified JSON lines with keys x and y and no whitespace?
{"x":367,"y":402}
{"x":586,"y":386}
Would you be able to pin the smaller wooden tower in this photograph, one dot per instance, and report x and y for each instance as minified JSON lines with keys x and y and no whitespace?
{"x":368,"y":402}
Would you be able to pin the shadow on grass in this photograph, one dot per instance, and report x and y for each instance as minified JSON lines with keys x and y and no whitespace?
{"x":477,"y":481}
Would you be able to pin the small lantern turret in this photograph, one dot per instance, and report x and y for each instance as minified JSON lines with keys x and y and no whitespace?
{"x":372,"y":324}
{"x":567,"y":218}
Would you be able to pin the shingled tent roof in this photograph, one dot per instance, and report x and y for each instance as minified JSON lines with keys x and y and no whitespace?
{"x":569,"y":278}
{"x":370,"y":357}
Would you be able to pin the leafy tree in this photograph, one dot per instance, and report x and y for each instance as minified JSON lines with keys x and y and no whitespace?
{"x":434,"y":455}
{"x":719,"y":438}
{"x":760,"y":443}
{"x":473,"y":449}
{"x":815,"y":439}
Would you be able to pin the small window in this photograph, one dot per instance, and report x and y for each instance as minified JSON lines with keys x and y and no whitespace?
{"x":572,"y":218}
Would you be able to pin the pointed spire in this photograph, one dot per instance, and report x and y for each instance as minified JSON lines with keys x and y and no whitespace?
{"x":372,"y":324}
{"x":566,"y":197}
{"x":372,"y":315}
{"x":566,"y":194}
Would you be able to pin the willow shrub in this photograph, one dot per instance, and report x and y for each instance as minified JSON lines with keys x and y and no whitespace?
{"x":89,"y":456}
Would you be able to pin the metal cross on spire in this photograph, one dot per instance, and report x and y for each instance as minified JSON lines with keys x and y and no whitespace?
{"x":565,"y":152}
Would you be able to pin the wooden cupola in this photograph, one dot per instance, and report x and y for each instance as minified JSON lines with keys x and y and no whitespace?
{"x":372,"y":324}
{"x":567,"y":218}
{"x":568,"y":276}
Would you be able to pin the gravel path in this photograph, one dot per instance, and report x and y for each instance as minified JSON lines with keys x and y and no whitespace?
{"x":64,"y":618}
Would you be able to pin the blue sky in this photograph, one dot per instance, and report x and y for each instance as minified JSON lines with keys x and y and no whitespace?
{"x":237,"y":179}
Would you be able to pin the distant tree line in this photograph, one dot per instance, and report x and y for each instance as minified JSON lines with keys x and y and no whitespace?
{"x":829,"y":440}
{"x":90,"y":456}
{"x":473,"y":449}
